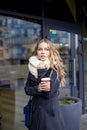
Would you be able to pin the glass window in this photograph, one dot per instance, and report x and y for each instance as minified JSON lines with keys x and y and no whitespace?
{"x":61,"y":39}
{"x":17,"y":39}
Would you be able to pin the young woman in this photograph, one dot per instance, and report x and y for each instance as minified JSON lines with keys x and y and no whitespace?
{"x":45,"y":62}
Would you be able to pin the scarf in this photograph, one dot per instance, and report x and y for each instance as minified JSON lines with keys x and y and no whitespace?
{"x":33,"y":64}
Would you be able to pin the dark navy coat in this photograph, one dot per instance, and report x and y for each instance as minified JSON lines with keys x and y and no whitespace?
{"x":46,"y":113}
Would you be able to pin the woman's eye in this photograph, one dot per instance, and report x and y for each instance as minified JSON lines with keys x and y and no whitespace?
{"x":46,"y":49}
{"x":39,"y":49}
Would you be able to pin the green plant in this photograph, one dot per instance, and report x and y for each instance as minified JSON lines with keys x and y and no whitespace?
{"x":66,"y":101}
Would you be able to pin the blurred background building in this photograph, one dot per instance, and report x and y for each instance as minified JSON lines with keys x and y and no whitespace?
{"x":22,"y":24}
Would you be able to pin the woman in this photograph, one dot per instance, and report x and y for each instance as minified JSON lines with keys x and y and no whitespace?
{"x":45,"y":62}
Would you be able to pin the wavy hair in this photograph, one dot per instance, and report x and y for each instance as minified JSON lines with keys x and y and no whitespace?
{"x":56,"y":62}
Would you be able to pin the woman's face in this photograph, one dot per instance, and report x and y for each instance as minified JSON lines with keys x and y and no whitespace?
{"x":43,"y":51}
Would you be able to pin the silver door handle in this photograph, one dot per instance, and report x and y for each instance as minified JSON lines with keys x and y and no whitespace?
{"x":74,"y":72}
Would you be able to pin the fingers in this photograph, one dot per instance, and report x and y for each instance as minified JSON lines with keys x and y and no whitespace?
{"x":42,"y":65}
{"x":43,"y":86}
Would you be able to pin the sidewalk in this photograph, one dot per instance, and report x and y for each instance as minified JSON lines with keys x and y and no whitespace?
{"x":84,"y":122}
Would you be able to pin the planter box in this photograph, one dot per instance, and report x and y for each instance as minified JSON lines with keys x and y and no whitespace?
{"x":71,"y":112}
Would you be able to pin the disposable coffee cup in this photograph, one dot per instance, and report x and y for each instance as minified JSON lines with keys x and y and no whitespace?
{"x":47,"y":79}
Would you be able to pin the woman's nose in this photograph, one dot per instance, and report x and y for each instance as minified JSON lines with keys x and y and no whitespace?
{"x":43,"y":51}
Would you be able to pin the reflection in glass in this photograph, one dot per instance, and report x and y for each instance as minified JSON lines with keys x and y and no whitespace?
{"x":61,"y":40}
{"x":17,"y":39}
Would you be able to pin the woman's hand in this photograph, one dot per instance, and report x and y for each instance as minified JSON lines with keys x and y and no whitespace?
{"x":42,"y":65}
{"x":44,"y":86}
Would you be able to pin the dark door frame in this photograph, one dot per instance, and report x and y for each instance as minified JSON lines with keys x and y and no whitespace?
{"x":73,"y":29}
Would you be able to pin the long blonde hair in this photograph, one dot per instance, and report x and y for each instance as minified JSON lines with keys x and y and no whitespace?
{"x":56,"y":62}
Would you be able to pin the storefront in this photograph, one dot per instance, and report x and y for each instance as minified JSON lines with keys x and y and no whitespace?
{"x":17,"y":39}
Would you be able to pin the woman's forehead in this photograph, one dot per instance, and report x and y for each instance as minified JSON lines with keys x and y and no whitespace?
{"x":43,"y":44}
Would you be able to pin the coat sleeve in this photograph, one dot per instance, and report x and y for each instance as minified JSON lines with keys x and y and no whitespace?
{"x":54,"y":83}
{"x":31,"y":85}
